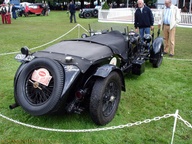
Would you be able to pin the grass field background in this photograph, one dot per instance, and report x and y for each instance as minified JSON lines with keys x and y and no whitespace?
{"x":155,"y":93}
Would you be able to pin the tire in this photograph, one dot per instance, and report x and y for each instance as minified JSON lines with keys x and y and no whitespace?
{"x":87,"y":15}
{"x":80,"y":15}
{"x":34,"y":97}
{"x":95,"y":13}
{"x":105,"y":98}
{"x":157,"y":59}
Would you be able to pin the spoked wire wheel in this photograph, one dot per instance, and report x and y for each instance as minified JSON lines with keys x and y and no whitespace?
{"x":105,"y":98}
{"x":37,"y":93}
{"x":109,"y":99}
{"x":39,"y":86}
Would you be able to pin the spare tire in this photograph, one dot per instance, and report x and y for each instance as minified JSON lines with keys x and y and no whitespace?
{"x":36,"y":94}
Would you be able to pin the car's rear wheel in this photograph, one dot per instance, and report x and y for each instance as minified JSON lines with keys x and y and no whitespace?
{"x":95,"y":13}
{"x":87,"y":15}
{"x":39,"y":86}
{"x":105,"y":98}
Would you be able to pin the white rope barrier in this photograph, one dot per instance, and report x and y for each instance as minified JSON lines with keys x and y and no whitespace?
{"x":80,"y":130}
{"x":190,"y":60}
{"x":78,"y":25}
{"x":103,"y":128}
{"x":176,"y":116}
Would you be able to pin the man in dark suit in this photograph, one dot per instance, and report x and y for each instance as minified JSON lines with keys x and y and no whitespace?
{"x":143,"y":19}
{"x":72,"y":12}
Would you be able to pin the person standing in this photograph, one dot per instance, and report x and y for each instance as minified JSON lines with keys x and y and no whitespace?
{"x":26,"y":10}
{"x":144,"y":19}
{"x":72,"y":12}
{"x":47,"y":9}
{"x":14,"y":11}
{"x":170,"y":18}
{"x":8,"y":14}
{"x":3,"y":11}
{"x":44,"y":9}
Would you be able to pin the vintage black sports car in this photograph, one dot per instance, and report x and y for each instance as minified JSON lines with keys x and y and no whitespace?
{"x":88,"y":13}
{"x":85,"y":73}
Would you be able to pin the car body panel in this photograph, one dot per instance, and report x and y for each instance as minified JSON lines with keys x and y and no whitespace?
{"x":88,"y":12}
{"x":114,"y":39}
{"x":83,"y":54}
{"x":36,"y":8}
{"x":157,"y":44}
{"x":33,"y":8}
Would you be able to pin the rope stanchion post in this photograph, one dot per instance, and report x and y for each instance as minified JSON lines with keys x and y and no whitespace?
{"x":78,"y":30}
{"x":174,"y":126}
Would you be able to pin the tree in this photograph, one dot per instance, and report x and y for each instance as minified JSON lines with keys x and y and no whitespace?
{"x":82,"y":4}
{"x":105,"y":5}
{"x":150,"y":2}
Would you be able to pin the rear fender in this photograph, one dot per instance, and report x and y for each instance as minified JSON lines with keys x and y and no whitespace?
{"x":17,"y":74}
{"x":16,"y":79}
{"x":157,"y":45}
{"x":105,"y":70}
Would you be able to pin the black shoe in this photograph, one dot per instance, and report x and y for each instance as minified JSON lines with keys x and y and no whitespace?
{"x":171,"y":55}
{"x":164,"y":53}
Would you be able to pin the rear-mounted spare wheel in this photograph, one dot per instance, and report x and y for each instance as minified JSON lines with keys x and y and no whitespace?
{"x":39,"y":86}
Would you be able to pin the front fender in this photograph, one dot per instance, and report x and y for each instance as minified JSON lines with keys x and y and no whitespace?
{"x":157,"y":45}
{"x":105,"y":70}
{"x":71,"y":74}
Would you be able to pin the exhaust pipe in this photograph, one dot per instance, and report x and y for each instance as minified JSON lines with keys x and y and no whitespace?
{"x":13,"y":106}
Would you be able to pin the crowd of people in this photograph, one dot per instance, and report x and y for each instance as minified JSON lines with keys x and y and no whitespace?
{"x":8,"y":11}
{"x":143,"y":22}
{"x":171,"y":16}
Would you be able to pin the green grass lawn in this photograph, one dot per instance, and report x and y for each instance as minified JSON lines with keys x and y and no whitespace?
{"x":155,"y":93}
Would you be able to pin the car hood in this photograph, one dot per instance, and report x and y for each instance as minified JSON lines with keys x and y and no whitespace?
{"x":83,"y":53}
{"x":87,"y":51}
{"x":114,"y":40}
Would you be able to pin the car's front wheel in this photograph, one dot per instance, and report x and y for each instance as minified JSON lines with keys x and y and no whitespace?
{"x":105,"y":98}
{"x":39,"y":86}
{"x":157,"y":58}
